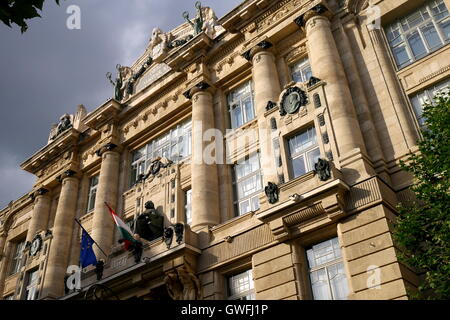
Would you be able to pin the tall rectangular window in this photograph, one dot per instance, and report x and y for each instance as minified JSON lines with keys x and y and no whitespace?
{"x":241,"y":105}
{"x":419,"y":99}
{"x":326,"y":271}
{"x":175,"y":145}
{"x":301,"y":71}
{"x":188,"y":206}
{"x":241,"y":286}
{"x":93,"y":183}
{"x":31,"y":292}
{"x":247,"y":184}
{"x":304,"y":152}
{"x":420,"y":33}
{"x":16,"y":262}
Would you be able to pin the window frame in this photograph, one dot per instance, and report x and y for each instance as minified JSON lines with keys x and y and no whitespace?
{"x":304,"y":153}
{"x":17,"y":257}
{"x":239,"y":102}
{"x":158,"y":146}
{"x":402,"y":39}
{"x":428,"y":93}
{"x":32,"y":285}
{"x":236,"y":181}
{"x":303,"y":64}
{"x":92,"y":193}
{"x":251,"y":292}
{"x":326,"y":265}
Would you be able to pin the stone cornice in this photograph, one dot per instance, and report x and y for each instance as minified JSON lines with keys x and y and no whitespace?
{"x":49,"y":152}
{"x":191,"y":51}
{"x":244,"y":14}
{"x":107,"y":112}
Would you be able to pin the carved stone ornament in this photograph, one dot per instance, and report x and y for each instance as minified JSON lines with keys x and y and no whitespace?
{"x":317,"y":10}
{"x":271,"y":105}
{"x":313,"y":81}
{"x":292,"y":100}
{"x":179,"y":232}
{"x":156,"y":166}
{"x":65,"y":124}
{"x":36,"y":245}
{"x":322,"y":169}
{"x":183,"y":284}
{"x":168,"y":236}
{"x":272,"y":192}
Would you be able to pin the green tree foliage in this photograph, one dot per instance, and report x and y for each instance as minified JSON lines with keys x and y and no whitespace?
{"x":423,"y":228}
{"x":17,"y":11}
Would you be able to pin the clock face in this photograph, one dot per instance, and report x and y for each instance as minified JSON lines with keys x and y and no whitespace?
{"x":35,"y":246}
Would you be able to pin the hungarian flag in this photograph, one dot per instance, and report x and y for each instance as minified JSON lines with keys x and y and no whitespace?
{"x":125,"y":231}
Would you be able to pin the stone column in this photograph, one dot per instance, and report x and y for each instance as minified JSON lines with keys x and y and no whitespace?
{"x":41,"y":212}
{"x":107,"y":189}
{"x":204,"y":174}
{"x":267,"y":88}
{"x":4,"y":263}
{"x":393,"y":88}
{"x":327,"y":66}
{"x":58,"y":257}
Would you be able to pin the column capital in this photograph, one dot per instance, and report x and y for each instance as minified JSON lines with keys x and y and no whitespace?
{"x":107,"y":147}
{"x":67,"y":174}
{"x":318,"y":10}
{"x":202,"y":86}
{"x":261,"y":46}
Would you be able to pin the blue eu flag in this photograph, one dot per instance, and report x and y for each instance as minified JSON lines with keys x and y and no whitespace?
{"x":87,"y":255}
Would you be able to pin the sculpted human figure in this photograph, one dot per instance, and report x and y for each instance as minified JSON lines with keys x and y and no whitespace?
{"x":191,"y":284}
{"x":150,"y":224}
{"x":211,"y":25}
{"x":197,"y":23}
{"x":173,"y":285}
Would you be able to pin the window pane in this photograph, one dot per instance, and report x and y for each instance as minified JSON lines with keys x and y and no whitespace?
{"x":401,"y":55}
{"x":319,"y":284}
{"x":338,"y":281}
{"x":313,"y":157}
{"x":241,"y":286}
{"x":244,"y":207}
{"x":236,"y":115}
{"x":249,"y":113}
{"x":416,"y":45}
{"x":298,"y":166}
{"x":445,"y":27}
{"x":431,"y":36}
{"x":327,"y":274}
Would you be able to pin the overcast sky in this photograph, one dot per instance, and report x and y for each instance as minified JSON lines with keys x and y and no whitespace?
{"x":50,"y":69}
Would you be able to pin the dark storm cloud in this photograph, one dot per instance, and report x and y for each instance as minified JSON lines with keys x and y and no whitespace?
{"x":50,"y":69}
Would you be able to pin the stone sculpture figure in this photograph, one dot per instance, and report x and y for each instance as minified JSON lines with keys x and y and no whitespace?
{"x":190,"y":283}
{"x":197,"y":23}
{"x":211,"y":25}
{"x":159,"y":43}
{"x":122,"y":83}
{"x":173,"y":285}
{"x":322,"y":168}
{"x":150,"y":224}
{"x":272,"y":192}
{"x":65,"y":123}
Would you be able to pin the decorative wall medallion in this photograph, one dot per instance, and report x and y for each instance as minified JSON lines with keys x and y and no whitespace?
{"x":36,"y":245}
{"x":292,"y":100}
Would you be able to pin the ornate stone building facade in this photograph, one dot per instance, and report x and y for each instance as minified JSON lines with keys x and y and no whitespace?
{"x":306,"y":106}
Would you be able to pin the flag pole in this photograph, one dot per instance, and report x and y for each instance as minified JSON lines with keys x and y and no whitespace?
{"x":91,"y":237}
